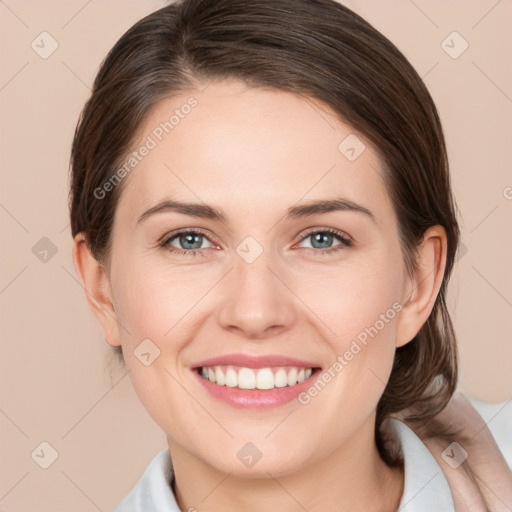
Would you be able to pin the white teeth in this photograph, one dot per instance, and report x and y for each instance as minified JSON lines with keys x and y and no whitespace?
{"x":246,"y":379}
{"x":252,"y":378}
{"x":292,"y":377}
{"x":219,"y":377}
{"x":264,"y":379}
{"x":231,"y":378}
{"x":281,"y":379}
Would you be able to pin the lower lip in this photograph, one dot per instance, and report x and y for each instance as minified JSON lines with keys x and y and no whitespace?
{"x":256,"y":398}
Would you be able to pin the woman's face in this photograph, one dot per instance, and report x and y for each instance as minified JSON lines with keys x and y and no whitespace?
{"x":272,"y":279}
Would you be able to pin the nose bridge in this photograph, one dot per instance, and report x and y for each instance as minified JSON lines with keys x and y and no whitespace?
{"x":256,"y":301}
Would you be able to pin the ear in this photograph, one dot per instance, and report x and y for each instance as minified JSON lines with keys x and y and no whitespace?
{"x":423,"y":286}
{"x":96,"y":284}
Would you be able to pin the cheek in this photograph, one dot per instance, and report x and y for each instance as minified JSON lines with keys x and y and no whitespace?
{"x":155,"y":308}
{"x":357,"y":310}
{"x":359,"y":301}
{"x":157,"y":301}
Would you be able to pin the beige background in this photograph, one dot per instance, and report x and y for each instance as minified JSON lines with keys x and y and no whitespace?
{"x":58,"y":383}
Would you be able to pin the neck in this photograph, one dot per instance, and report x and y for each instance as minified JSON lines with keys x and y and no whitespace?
{"x":353,"y":478}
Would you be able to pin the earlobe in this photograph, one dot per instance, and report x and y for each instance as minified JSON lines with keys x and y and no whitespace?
{"x":424,"y":284}
{"x":97,"y":288}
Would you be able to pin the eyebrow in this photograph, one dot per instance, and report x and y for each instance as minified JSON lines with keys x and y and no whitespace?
{"x":204,"y":211}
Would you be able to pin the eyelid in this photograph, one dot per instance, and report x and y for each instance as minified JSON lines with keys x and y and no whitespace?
{"x":341,"y":234}
{"x":345,"y":240}
{"x":173,"y":234}
{"x":301,"y":236}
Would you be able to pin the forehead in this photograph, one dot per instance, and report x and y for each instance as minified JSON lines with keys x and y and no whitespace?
{"x":249,"y":149}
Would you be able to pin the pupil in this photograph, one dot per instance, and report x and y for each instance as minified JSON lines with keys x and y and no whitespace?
{"x":193,"y":239}
{"x":323,"y":239}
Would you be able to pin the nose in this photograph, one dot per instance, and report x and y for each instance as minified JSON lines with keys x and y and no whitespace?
{"x":257,"y":301}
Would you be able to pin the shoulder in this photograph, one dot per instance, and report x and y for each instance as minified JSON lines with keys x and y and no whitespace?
{"x":153,"y":491}
{"x":433,"y":464}
{"x":498,"y":418}
{"x":425,"y":486}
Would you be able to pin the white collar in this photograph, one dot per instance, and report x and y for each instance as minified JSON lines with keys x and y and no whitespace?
{"x":425,"y":486}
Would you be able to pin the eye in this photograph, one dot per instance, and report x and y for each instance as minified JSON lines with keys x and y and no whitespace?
{"x":322,"y":240}
{"x":188,"y":242}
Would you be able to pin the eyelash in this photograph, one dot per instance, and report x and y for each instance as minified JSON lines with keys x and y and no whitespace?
{"x":344,"y":239}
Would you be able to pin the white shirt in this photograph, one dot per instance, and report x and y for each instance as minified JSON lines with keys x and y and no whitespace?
{"x":425,"y":486}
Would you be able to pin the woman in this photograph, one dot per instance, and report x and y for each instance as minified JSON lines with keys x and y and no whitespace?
{"x":264,"y":224}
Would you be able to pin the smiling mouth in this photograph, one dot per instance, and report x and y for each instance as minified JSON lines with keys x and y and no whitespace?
{"x":255,"y":378}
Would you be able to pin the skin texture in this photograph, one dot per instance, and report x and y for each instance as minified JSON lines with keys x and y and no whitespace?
{"x":254,"y":153}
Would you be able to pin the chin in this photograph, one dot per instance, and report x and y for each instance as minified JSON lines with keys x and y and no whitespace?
{"x":251,"y":462}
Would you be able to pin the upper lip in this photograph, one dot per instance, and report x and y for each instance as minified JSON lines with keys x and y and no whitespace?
{"x":248,"y":361}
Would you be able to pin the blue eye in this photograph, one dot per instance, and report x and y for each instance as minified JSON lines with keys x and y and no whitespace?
{"x":190,"y":242}
{"x":322,"y":239}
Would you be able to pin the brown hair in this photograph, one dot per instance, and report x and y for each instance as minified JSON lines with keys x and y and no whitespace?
{"x":316,"y":48}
